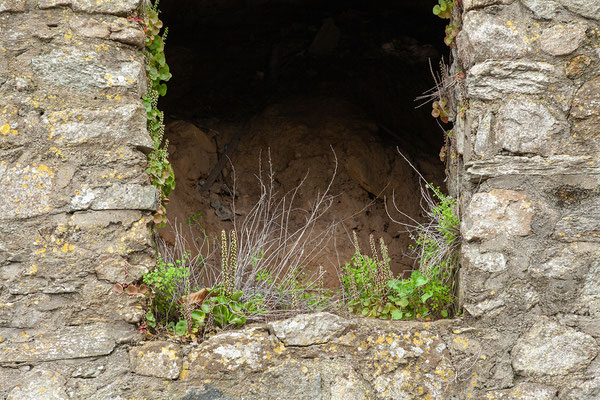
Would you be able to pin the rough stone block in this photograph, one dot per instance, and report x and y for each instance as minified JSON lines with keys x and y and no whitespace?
{"x":472,"y":4}
{"x":25,"y":190}
{"x":589,"y":300}
{"x":542,"y":9}
{"x":531,"y":166}
{"x":586,"y":103}
{"x":523,"y":391}
{"x":581,"y":223}
{"x":494,"y":80}
{"x":116,"y":7}
{"x":81,"y":70}
{"x":491,"y":262}
{"x":482,"y":137}
{"x":60,"y":344}
{"x":12,"y":6}
{"x":159,"y":359}
{"x":565,"y":263}
{"x":309,"y":329}
{"x":560,"y":40}
{"x":497,"y":212}
{"x":250,"y":350}
{"x":117,"y":197}
{"x":586,"y":8}
{"x":551,"y":350}
{"x":525,"y":126}
{"x":89,"y":27}
{"x":485,"y":36}
{"x":125,"y":124}
{"x":125,"y":32}
{"x":40,"y":384}
{"x":44,"y":4}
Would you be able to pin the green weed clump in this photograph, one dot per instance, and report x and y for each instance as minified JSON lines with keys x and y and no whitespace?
{"x":371,"y":289}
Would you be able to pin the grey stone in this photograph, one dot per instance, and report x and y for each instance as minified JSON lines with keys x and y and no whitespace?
{"x":472,"y":4}
{"x":564,"y":263}
{"x":586,"y":8}
{"x":116,"y":7}
{"x":309,"y":329}
{"x":77,"y":69}
{"x":249,"y":350}
{"x":12,"y":6}
{"x":127,"y":35}
{"x":581,"y":224}
{"x":586,"y":103}
{"x":491,"y":262}
{"x":531,"y":166}
{"x":497,"y":212}
{"x":44,"y":4}
{"x":490,"y":37}
{"x":560,"y":40}
{"x":89,"y":27}
{"x":159,"y":359}
{"x":40,"y":384}
{"x":488,"y":307}
{"x":548,"y":349}
{"x":116,"y":197}
{"x":494,"y":80}
{"x":61,"y":344}
{"x":543,"y":9}
{"x":124,"y":124}
{"x":525,"y":126}
{"x":523,"y":391}
{"x":590,"y":295}
{"x":25,"y":190}
{"x":482,"y":138}
{"x":88,"y":372}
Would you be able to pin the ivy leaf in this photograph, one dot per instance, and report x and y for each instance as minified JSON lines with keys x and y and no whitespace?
{"x":396,"y":314}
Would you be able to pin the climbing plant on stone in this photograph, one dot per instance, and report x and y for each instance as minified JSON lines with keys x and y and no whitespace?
{"x":157,"y":71}
{"x":444,"y":9}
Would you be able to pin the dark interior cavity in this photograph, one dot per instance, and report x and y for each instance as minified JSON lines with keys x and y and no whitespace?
{"x":303,"y":80}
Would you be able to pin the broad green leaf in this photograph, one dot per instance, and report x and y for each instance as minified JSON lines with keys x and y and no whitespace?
{"x":396,"y":314}
{"x":181,"y":327}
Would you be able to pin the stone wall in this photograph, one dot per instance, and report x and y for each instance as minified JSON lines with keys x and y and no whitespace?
{"x":75,"y":204}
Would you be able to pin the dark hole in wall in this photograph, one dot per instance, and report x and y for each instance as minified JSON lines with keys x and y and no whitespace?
{"x":299,"y":77}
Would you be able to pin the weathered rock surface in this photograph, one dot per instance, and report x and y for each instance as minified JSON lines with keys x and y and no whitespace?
{"x":472,"y":4}
{"x":159,"y":359}
{"x":544,"y":9}
{"x":306,"y":330}
{"x":485,"y":36}
{"x":550,"y":350}
{"x":582,"y":7}
{"x":493,"y":80}
{"x":525,"y":126}
{"x":497,"y":212}
{"x":524,"y":391}
{"x":40,"y":384}
{"x":65,"y":343}
{"x":560,"y":40}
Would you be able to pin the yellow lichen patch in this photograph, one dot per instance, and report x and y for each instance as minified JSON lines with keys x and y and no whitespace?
{"x":184,"y":374}
{"x":280,"y":349}
{"x":6,"y":130}
{"x":460,"y":342}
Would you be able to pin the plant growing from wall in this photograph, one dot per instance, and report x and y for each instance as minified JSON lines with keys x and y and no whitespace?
{"x":157,"y":71}
{"x":445,"y":10}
